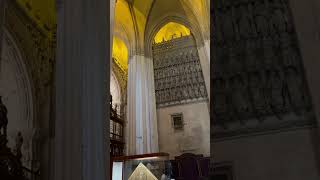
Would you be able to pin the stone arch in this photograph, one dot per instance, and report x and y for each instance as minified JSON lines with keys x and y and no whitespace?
{"x":196,"y":34}
{"x":18,"y":94}
{"x":121,"y":33}
{"x":115,"y":88}
{"x":152,"y":29}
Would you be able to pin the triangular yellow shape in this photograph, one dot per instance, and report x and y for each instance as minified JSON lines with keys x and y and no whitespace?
{"x":142,"y":173}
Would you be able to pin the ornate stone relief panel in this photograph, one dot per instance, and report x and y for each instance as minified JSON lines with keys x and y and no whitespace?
{"x":122,"y":78}
{"x":37,"y":47}
{"x":37,"y":51}
{"x":177,"y":72}
{"x":258,"y":77}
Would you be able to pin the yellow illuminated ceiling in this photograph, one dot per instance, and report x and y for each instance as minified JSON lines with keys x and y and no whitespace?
{"x":42,"y":12}
{"x":170,"y":31}
{"x":123,"y":15}
{"x":200,"y":10}
{"x":120,"y":53}
{"x":141,"y":11}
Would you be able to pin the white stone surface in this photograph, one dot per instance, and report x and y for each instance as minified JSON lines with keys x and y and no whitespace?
{"x":195,"y":138}
{"x":204,"y":55}
{"x":141,"y":114}
{"x":115,"y":89}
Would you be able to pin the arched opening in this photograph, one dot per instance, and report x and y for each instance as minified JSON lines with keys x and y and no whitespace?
{"x":180,"y":88}
{"x":17,"y":96}
{"x":171,"y":31}
{"x":117,"y":88}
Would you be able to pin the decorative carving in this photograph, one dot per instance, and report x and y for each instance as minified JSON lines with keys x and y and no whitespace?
{"x":19,"y":142}
{"x":257,"y":72}
{"x":177,"y":72}
{"x":38,"y":48}
{"x":122,"y":78}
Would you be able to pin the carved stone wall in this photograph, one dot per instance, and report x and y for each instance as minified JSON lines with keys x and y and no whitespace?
{"x":258,"y":78}
{"x":37,"y":50}
{"x":37,"y":47}
{"x":16,"y":94}
{"x":122,"y":78}
{"x":177,"y":72}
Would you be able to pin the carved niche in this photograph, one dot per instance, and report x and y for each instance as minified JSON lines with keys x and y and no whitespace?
{"x":37,"y":45}
{"x":177,"y":72}
{"x":258,"y":80}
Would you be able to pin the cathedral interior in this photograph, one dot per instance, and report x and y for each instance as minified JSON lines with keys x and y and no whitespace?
{"x":159,"y":89}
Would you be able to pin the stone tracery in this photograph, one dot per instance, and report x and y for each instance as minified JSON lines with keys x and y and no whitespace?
{"x":177,"y":71}
{"x":257,"y":58}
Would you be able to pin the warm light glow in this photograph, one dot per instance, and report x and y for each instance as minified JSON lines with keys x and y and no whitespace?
{"x":42,"y":12}
{"x":122,"y":14}
{"x":120,"y":53}
{"x":146,"y":158}
{"x":170,"y":31}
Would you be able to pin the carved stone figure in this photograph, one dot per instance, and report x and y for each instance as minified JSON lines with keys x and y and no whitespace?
{"x":228,"y":26}
{"x":270,"y":59}
{"x":203,"y":91}
{"x":220,"y":104}
{"x":289,"y":54}
{"x":196,"y":91}
{"x":198,"y":66}
{"x":245,"y":26}
{"x":261,"y":14}
{"x":157,"y":96}
{"x":251,"y":59}
{"x":167,"y":95}
{"x":240,"y":98}
{"x":19,"y":142}
{"x":191,"y":92}
{"x":278,"y":20}
{"x":218,"y":35}
{"x":3,"y":118}
{"x":258,"y":98}
{"x":276,"y":90}
{"x":185,"y":92}
{"x":297,"y":95}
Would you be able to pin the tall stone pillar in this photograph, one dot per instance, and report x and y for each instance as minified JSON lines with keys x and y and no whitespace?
{"x":141,"y":113}
{"x":82,"y":70}
{"x":2,"y":21}
{"x":204,"y":55}
{"x":308,"y":33}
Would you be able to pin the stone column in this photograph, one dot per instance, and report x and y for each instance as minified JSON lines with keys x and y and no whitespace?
{"x":204,"y":55}
{"x":82,"y":70}
{"x":141,"y":114}
{"x":2,"y":21}
{"x":308,"y":33}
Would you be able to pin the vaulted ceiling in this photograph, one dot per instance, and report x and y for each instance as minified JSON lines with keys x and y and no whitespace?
{"x":131,"y":18}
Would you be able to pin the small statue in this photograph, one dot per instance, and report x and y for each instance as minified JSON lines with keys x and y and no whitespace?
{"x":3,"y":118}
{"x":19,"y":142}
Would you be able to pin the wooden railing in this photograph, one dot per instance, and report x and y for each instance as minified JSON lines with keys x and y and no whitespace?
{"x":116,"y":132}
